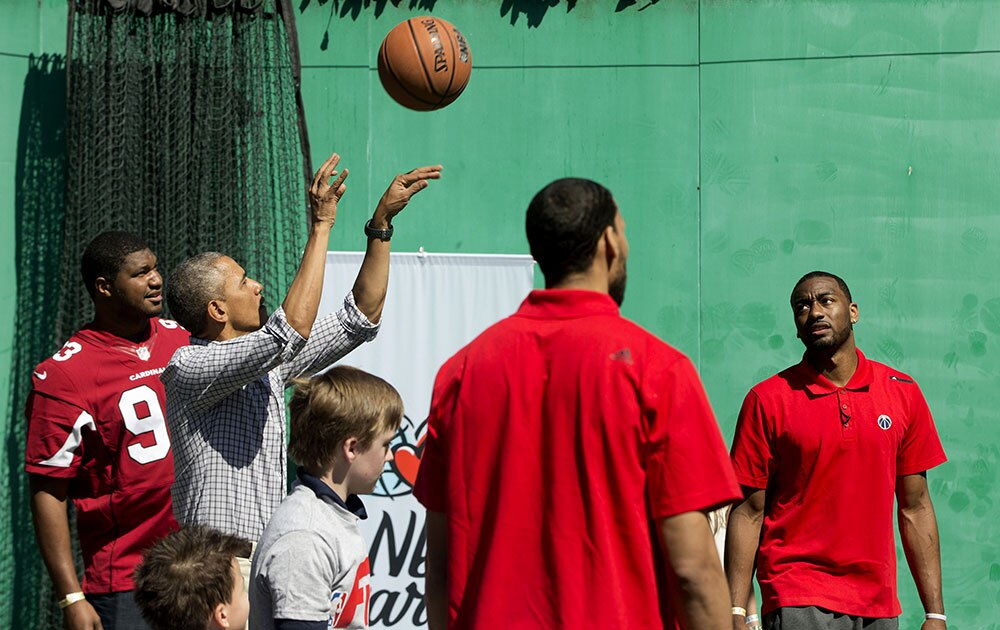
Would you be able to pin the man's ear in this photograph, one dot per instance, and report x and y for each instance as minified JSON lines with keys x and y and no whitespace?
{"x":612,"y":247}
{"x":103,"y":286}
{"x":854,"y":313}
{"x":217,"y":311}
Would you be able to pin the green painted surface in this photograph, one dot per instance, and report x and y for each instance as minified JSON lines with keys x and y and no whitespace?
{"x":737,"y":31}
{"x":877,"y":162}
{"x":879,"y":170}
{"x":521,"y":34}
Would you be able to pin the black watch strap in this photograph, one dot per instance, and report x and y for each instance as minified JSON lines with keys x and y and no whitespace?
{"x":382,"y":235}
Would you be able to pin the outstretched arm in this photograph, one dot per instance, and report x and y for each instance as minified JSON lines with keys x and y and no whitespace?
{"x":373,"y":277}
{"x":48,"y":510}
{"x":690,"y":555}
{"x":918,"y":532}
{"x":742,"y":540}
{"x":302,"y":300}
{"x":214,"y":371}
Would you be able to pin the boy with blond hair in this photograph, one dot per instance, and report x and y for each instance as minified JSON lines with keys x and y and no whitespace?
{"x":310,"y":570}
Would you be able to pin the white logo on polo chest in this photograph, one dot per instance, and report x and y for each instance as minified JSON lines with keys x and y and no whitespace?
{"x":884,"y":422}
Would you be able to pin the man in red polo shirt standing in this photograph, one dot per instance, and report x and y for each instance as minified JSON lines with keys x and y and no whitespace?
{"x":566,"y":447}
{"x":820,"y":450}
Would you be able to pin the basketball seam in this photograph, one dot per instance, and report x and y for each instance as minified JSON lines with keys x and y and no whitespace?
{"x":402,"y":86}
{"x":454,"y":64}
{"x":427,"y":74}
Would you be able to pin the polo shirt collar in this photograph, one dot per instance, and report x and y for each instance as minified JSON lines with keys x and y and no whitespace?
{"x":819,"y":385}
{"x":352,"y":505}
{"x":566,"y":303}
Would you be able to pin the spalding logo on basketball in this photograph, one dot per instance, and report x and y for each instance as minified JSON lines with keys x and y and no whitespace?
{"x":424,"y":63}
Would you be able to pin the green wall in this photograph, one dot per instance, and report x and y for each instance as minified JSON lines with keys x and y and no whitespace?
{"x":26,"y":29}
{"x":746,"y":143}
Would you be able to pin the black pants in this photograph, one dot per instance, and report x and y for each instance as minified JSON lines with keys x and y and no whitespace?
{"x":118,"y":611}
{"x":813,"y":618}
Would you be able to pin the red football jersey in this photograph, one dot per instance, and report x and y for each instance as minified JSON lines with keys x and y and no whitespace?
{"x":95,"y":417}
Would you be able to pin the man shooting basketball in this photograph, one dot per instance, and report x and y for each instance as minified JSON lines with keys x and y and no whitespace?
{"x":225,"y":392}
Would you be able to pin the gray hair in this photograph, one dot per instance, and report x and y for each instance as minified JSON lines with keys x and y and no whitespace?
{"x":194,"y":283}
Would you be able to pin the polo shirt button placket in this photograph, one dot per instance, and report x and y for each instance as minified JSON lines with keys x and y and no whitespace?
{"x":847,"y":427}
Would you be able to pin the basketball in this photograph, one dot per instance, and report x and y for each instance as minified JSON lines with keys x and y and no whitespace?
{"x":424,"y":63}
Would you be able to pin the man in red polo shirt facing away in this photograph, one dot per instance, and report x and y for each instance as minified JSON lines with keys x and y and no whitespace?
{"x":820,"y":450}
{"x":571,"y":455}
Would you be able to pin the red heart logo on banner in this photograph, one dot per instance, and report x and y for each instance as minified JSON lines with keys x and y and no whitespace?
{"x":407,"y":460}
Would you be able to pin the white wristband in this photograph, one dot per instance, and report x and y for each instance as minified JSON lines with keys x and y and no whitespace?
{"x":739,"y":611}
{"x":935,"y":616}
{"x":70,"y":599}
{"x":752,"y":619}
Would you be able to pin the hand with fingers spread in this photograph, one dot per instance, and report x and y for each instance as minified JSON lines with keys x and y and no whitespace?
{"x":373,"y":277}
{"x":323,"y":195}
{"x":399,"y":192}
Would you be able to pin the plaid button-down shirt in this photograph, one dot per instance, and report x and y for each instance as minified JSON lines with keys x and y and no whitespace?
{"x":226,"y":414}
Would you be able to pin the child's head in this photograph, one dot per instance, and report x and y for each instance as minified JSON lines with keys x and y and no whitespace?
{"x":190,"y":580}
{"x":345,"y":417}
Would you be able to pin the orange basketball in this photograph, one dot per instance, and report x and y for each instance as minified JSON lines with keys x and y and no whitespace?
{"x":424,"y":63}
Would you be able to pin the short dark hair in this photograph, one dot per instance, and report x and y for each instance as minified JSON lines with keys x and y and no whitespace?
{"x":564,"y":221}
{"x":339,"y":404}
{"x":193,"y":284}
{"x":184,"y":576}
{"x":825,"y":274}
{"x":105,"y":255}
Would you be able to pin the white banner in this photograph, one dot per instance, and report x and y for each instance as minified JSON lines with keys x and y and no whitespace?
{"x":436,"y":304}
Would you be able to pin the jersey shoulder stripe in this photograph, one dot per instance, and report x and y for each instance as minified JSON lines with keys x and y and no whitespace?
{"x":64,"y":456}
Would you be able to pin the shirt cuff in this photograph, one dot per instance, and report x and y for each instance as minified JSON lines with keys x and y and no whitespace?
{"x":921,"y":466}
{"x":277,"y":325}
{"x":56,"y":472}
{"x":355,"y":322}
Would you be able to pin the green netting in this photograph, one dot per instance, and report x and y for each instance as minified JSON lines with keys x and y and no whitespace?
{"x":184,"y":129}
{"x":39,"y":207}
{"x":182,"y":124}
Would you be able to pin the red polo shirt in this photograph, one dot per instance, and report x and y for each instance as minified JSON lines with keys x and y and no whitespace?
{"x":554,"y":440}
{"x":829,"y":457}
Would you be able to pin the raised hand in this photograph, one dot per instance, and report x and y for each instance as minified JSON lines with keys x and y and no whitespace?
{"x":400,"y":191}
{"x":323,"y":195}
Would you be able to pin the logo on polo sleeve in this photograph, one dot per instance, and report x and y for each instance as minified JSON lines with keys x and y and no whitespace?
{"x":884,"y":422}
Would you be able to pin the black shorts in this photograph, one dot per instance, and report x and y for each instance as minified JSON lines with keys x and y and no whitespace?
{"x":118,"y":611}
{"x":813,"y":618}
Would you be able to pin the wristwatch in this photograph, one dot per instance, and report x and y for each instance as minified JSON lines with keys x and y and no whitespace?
{"x":382,"y":235}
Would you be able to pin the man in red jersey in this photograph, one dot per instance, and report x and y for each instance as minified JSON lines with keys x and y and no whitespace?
{"x":96,"y":434}
{"x":571,"y":455}
{"x":821,"y":449}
